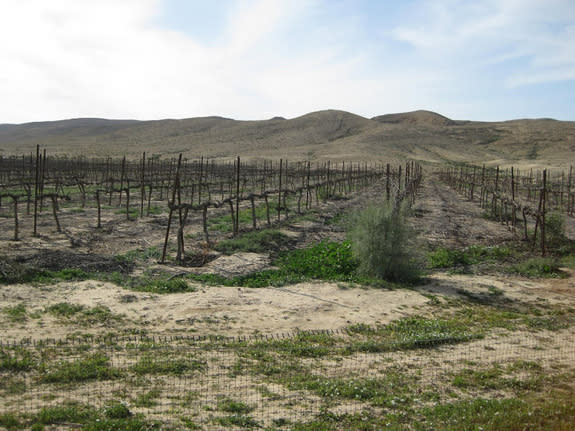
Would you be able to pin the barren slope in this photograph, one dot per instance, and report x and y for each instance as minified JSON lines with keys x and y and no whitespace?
{"x":330,"y":134}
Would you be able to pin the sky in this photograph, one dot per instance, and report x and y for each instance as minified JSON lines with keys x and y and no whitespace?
{"x":484,"y":60}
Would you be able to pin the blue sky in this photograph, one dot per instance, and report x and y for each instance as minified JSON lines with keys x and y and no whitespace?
{"x":482,"y":60}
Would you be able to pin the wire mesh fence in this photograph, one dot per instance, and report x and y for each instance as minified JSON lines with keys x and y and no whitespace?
{"x":271,"y":381}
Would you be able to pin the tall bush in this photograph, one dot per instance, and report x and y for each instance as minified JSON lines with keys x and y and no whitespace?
{"x":382,"y":242}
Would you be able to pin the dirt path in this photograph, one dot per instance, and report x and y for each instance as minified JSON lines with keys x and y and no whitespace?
{"x":443,"y":218}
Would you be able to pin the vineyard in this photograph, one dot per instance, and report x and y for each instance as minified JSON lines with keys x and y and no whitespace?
{"x":516,"y":198}
{"x":212,"y":294}
{"x":264,"y":192}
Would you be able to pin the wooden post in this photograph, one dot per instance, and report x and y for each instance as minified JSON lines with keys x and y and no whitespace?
{"x":280,"y":190}
{"x":176,"y":181}
{"x":55,"y":211}
{"x":122,"y":179}
{"x":205,"y":224}
{"x":99,"y":209}
{"x":142,"y":186}
{"x":543,"y":200}
{"x":36,"y":190}
{"x":16,"y":226}
{"x":237,"y":223}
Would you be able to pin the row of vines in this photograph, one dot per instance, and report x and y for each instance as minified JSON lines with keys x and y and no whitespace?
{"x":516,"y":197}
{"x":39,"y":185}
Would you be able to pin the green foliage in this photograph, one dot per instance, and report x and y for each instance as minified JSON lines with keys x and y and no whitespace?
{"x":149,"y":364}
{"x":161,"y":285}
{"x":544,"y":267}
{"x":16,"y":313}
{"x":555,"y":239}
{"x":82,"y":315}
{"x":16,"y":359}
{"x":255,"y":242}
{"x":410,"y":333}
{"x":230,"y":406}
{"x":10,"y":421}
{"x":117,"y":410}
{"x":67,"y":413}
{"x":142,"y":254}
{"x":64,"y":309}
{"x":391,"y":391}
{"x":241,"y":421}
{"x":382,"y":243}
{"x":147,"y":399}
{"x":94,"y":367}
{"x":327,"y":260}
{"x":449,"y":258}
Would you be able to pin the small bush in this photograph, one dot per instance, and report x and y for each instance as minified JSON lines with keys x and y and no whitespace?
{"x":382,"y":243}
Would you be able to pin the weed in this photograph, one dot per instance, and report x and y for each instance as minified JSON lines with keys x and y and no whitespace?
{"x":237,"y":407}
{"x":16,"y":359}
{"x":255,"y":242}
{"x":116,"y":410}
{"x":151,"y":365}
{"x":161,"y":285}
{"x":10,"y":421}
{"x":541,"y":267}
{"x":16,"y":313}
{"x":82,"y":315}
{"x":325,"y":260}
{"x":94,"y":367}
{"x":241,"y":421}
{"x":12,"y":385}
{"x":147,"y":399}
{"x":450,"y":258}
{"x":64,"y":309}
{"x":67,"y":413}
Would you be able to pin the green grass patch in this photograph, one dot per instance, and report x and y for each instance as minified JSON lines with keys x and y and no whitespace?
{"x":16,"y":358}
{"x":147,"y":399}
{"x":410,"y":333}
{"x":94,"y":367}
{"x":255,"y":242}
{"x":539,"y":267}
{"x":160,"y":285}
{"x":326,"y":260}
{"x":141,"y":254}
{"x":83,"y":315}
{"x":443,"y":258}
{"x":149,"y":364}
{"x":15,"y":313}
{"x":237,"y":407}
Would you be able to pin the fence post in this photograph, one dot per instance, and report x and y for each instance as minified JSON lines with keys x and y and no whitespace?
{"x":176,"y":181}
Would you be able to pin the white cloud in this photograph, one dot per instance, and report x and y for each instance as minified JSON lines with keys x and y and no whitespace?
{"x":108,"y":58}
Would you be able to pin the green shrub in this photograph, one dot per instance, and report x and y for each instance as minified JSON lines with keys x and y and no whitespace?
{"x":382,"y":243}
{"x":538,"y":267}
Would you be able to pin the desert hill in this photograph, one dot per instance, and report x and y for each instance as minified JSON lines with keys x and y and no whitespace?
{"x":330,"y":134}
{"x":421,"y":117}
